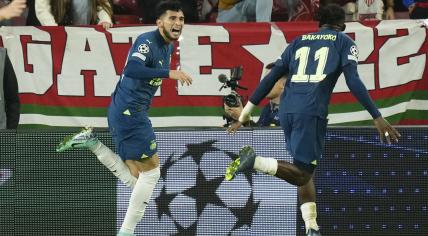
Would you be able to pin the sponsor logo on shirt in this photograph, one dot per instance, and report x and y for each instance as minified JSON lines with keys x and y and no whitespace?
{"x":153,"y":145}
{"x":156,"y":82}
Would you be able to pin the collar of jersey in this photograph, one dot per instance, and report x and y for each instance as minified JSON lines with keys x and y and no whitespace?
{"x":159,"y":38}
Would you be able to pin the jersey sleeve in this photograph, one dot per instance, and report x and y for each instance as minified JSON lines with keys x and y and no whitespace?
{"x":141,"y":51}
{"x":349,"y":58}
{"x":348,"y":51}
{"x":139,"y":64}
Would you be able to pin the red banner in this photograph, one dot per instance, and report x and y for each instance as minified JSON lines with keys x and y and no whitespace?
{"x":64,"y":69}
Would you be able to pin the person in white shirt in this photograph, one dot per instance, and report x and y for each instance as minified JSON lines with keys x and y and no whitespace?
{"x":71,"y":12}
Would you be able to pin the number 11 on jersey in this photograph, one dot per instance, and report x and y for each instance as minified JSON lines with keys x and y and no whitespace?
{"x":302,"y":55}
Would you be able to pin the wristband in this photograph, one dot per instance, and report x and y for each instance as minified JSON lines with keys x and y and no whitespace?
{"x":246,"y":112}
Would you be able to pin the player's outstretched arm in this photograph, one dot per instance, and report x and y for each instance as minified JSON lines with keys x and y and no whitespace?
{"x":180,"y":76}
{"x":386,"y":131}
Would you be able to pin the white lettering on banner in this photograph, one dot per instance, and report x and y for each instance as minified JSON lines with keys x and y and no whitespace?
{"x":364,"y":39}
{"x":193,"y":55}
{"x":39,"y":55}
{"x":268,"y":53}
{"x":390,"y":72}
{"x":76,"y":59}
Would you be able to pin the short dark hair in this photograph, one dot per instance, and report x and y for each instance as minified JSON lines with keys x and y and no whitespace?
{"x":166,"y":5}
{"x":331,"y":14}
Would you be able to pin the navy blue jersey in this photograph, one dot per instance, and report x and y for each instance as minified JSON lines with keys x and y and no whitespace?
{"x":147,"y":64}
{"x":313,"y":63}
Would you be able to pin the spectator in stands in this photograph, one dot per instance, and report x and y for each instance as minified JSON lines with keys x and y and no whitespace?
{"x":189,"y":7}
{"x":207,"y":10}
{"x":365,"y":9}
{"x":127,"y":12}
{"x":418,"y":9}
{"x":128,"y":7}
{"x":286,"y":10}
{"x":244,"y":10}
{"x":304,"y":10}
{"x":370,"y":9}
{"x":9,"y":100}
{"x":389,"y":10}
{"x":11,"y":9}
{"x":32,"y":17}
{"x":408,"y":4}
{"x":74,"y":12}
{"x":351,"y":9}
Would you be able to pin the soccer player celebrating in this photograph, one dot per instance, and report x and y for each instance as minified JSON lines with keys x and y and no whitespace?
{"x":137,"y":164}
{"x":312,"y":63}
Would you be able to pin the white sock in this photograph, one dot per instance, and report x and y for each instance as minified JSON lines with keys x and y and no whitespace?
{"x":139,"y":199}
{"x":309,"y":215}
{"x":266,"y":165}
{"x":113,"y":162}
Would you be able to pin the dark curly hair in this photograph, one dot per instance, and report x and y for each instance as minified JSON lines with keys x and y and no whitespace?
{"x":331,"y":14}
{"x":166,"y":5}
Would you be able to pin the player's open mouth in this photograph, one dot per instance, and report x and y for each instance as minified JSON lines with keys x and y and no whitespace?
{"x":176,"y":31}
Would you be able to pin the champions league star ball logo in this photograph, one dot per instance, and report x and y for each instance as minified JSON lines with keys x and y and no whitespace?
{"x":143,"y":48}
{"x":190,"y":181}
{"x":354,"y":51}
{"x":193,"y":198}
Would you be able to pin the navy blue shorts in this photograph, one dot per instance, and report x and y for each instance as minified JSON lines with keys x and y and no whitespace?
{"x":132,"y":133}
{"x":304,"y":135}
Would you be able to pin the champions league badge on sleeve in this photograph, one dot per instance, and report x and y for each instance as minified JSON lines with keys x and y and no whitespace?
{"x":143,"y":48}
{"x":354,"y":53}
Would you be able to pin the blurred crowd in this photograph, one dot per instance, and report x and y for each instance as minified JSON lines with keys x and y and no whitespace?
{"x":110,"y":12}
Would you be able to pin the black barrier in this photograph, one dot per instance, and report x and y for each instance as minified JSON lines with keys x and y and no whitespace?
{"x":363,"y":187}
{"x":7,"y":181}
